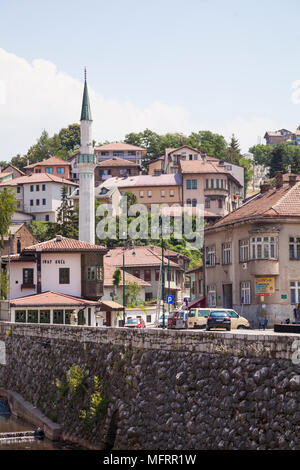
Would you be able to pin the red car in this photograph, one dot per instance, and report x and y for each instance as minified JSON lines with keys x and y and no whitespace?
{"x":135,"y":323}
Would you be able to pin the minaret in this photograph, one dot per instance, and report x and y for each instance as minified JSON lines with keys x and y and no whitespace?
{"x":86,"y":163}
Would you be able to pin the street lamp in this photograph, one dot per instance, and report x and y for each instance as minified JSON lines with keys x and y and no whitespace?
{"x":128,"y":244}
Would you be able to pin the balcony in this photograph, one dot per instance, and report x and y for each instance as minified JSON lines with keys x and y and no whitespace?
{"x":216,"y":192}
{"x":264,"y":267}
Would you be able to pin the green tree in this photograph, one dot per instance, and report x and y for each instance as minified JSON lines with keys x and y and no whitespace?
{"x":117,"y":276}
{"x":261,"y":154}
{"x":280,"y":158}
{"x":70,"y":137}
{"x":248,"y":172}
{"x":8,"y":205}
{"x":132,"y":292}
{"x":67,"y":216}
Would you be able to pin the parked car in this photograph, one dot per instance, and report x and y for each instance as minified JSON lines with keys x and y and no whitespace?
{"x":178,"y":319}
{"x":198,"y":318}
{"x":160,"y":325}
{"x":218,"y":319}
{"x":135,"y":323}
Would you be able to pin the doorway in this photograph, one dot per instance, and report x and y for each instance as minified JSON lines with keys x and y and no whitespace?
{"x":108,"y":318}
{"x":227,"y":295}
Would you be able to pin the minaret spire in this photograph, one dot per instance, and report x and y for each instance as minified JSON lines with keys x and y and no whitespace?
{"x":86,"y":114}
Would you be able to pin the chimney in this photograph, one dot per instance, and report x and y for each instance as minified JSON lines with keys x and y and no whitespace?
{"x":292,"y":180}
{"x":264,"y":188}
{"x":278,"y":179}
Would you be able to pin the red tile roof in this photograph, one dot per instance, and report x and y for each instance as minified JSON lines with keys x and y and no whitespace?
{"x":283,"y":202}
{"x":63,"y":244}
{"x":109,"y":270}
{"x":118,"y":146}
{"x":50,"y":161}
{"x":37,"y":178}
{"x":199,"y":166}
{"x":138,"y":256}
{"x":50,"y":298}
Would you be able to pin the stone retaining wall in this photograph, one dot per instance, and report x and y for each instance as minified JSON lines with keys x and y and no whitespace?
{"x":162,"y":389}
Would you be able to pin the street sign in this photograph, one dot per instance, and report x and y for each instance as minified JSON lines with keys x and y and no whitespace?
{"x":170,"y":299}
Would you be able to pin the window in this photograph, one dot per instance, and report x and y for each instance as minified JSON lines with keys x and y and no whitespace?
{"x":37,"y":188}
{"x":43,"y":187}
{"x":294,"y":248}
{"x":44,"y":316}
{"x":220,"y":203}
{"x":149,"y":193}
{"x":206,"y":184}
{"x":37,"y":171}
{"x":31,"y":188}
{"x":58,"y":316}
{"x":207,"y":203}
{"x":264,"y":247}
{"x":222,"y":184}
{"x":131,"y":152}
{"x":244,"y":250}
{"x":27,"y":277}
{"x":136,"y":273}
{"x":195,"y":157}
{"x":163,"y":193}
{"x":211,"y":296}
{"x":44,"y":202}
{"x":33,"y":316}
{"x":148,"y":296}
{"x":188,"y":202}
{"x":194,"y":202}
{"x":172,"y":192}
{"x":211,"y":256}
{"x":60,"y":171}
{"x":94,"y":273}
{"x":141,"y":193}
{"x":295,"y":292}
{"x":64,"y":275}
{"x":157,"y":274}
{"x":217,"y":183}
{"x":147,"y":275}
{"x":212,"y":183}
{"x":37,"y":202}
{"x":226,"y":253}
{"x":20,"y":316}
{"x":18,"y":189}
{"x":188,"y":184}
{"x":49,"y":170}
{"x":245,"y":293}
{"x":68,"y":314}
{"x":194,"y":184}
{"x":148,"y":318}
{"x":47,"y":218}
{"x":190,"y":157}
{"x":31,"y":202}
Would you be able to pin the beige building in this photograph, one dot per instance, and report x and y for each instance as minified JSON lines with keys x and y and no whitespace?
{"x":252,"y":256}
{"x":211,"y":185}
{"x":129,"y":152}
{"x":163,"y":189}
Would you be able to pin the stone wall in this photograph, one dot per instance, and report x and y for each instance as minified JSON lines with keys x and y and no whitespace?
{"x":162,"y":389}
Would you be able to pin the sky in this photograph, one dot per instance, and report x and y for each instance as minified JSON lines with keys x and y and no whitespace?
{"x":167,"y":65}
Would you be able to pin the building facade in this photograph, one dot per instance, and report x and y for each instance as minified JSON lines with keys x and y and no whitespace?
{"x":51,"y":166}
{"x":252,"y":256}
{"x":122,"y":150}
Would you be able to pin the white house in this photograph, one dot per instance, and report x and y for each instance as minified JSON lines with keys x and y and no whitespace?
{"x":39,"y":194}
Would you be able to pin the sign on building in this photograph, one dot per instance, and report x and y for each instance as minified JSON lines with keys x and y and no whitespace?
{"x":264,"y":285}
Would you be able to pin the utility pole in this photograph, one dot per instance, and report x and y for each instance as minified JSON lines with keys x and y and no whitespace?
{"x":124,"y":310}
{"x":168,"y":283}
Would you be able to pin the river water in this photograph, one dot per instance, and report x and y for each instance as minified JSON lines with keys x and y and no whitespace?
{"x":9,"y":423}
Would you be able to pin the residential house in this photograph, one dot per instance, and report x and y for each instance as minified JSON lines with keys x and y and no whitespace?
{"x":211,"y":185}
{"x":39,"y":194}
{"x":61,"y":268}
{"x":110,"y":195}
{"x":144,"y":262}
{"x":16,"y":172}
{"x":129,"y":152}
{"x":149,"y":189}
{"x":19,"y":237}
{"x":280,"y":136}
{"x":52,"y":166}
{"x":252,"y":255}
{"x":156,"y":166}
{"x":115,"y":167}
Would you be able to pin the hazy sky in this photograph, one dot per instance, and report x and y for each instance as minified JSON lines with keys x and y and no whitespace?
{"x":169,"y":65}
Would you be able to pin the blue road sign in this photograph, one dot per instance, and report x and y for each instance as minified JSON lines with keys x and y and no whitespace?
{"x":169,"y":299}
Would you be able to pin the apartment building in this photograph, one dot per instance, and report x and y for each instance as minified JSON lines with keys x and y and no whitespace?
{"x":51,"y":166}
{"x":280,"y":136}
{"x":211,"y":185}
{"x":149,"y":189}
{"x":39,"y":194}
{"x":252,"y":255}
{"x":129,"y":152}
{"x":115,"y":167}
